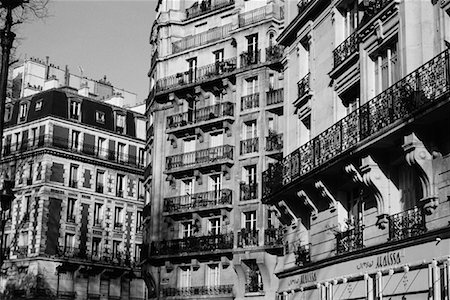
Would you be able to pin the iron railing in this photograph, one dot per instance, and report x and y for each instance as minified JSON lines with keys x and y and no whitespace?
{"x":148,"y":171}
{"x":303,"y":86}
{"x":206,"y":243}
{"x":274,"y":52}
{"x":274,"y":142}
{"x":248,"y":238}
{"x":407,"y":224}
{"x":250,"y":101}
{"x":205,"y":7}
{"x":200,"y":115}
{"x":254,"y":286}
{"x":253,"y":16}
{"x":273,"y":237}
{"x":274,"y":97}
{"x":249,"y":145}
{"x":199,"y":200}
{"x":213,"y":155}
{"x":248,"y":191}
{"x":416,"y":92}
{"x":201,"y":39}
{"x":349,"y":240}
{"x":197,"y":75}
{"x":197,"y":290}
{"x":249,"y":58}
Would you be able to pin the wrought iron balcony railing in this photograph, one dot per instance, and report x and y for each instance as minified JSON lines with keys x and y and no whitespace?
{"x":206,"y":243}
{"x":148,"y":171}
{"x":200,"y":115}
{"x":197,"y":201}
{"x":273,"y":237}
{"x":248,"y":238}
{"x":302,"y":255}
{"x":248,"y":191}
{"x":68,"y":252}
{"x":204,"y":7}
{"x":254,"y":287}
{"x":303,"y":86}
{"x":274,"y":97}
{"x":197,"y":291}
{"x":201,"y":39}
{"x":407,"y":224}
{"x":249,"y":58}
{"x":197,"y":75}
{"x":209,"y":156}
{"x":250,"y":145}
{"x":250,"y":101}
{"x":420,"y":90}
{"x":346,"y":49}
{"x":274,"y":142}
{"x":349,"y":240}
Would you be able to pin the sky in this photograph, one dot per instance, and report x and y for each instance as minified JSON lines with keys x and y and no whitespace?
{"x":109,"y":37}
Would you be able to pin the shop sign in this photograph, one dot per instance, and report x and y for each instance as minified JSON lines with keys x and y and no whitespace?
{"x":381,"y":261}
{"x":302,"y":279}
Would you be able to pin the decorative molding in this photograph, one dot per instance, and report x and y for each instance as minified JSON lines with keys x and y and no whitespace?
{"x":325,"y":193}
{"x":309,"y":203}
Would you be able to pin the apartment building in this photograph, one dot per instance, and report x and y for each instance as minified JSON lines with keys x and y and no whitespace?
{"x":74,"y":230}
{"x":215,"y":108}
{"x":362,"y":190}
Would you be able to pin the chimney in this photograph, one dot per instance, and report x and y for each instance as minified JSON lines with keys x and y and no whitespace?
{"x":51,"y":83}
{"x":83,"y":90}
{"x":116,"y":99}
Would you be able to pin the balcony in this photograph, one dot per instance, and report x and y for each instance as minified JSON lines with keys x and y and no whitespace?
{"x":197,"y":291}
{"x":303,"y":87}
{"x":250,"y":101}
{"x":201,"y":39}
{"x":254,"y":287}
{"x":249,"y":58}
{"x":191,"y":245}
{"x":302,"y":255}
{"x":274,"y":97}
{"x":274,"y":142}
{"x":216,"y":155}
{"x":349,"y":240}
{"x":407,"y":224}
{"x":346,"y":49}
{"x":249,"y":146}
{"x":252,"y":17}
{"x":421,"y":90}
{"x":201,"y":74}
{"x":205,"y":7}
{"x":248,"y":191}
{"x":201,"y":115}
{"x":248,"y":238}
{"x":206,"y":200}
{"x":274,"y":53}
{"x":273,"y":237}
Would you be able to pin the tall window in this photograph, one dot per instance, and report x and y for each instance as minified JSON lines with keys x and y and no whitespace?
{"x":141,"y":157}
{"x":75,"y":140}
{"x":71,"y":209}
{"x":214,"y":226}
{"x":192,"y":73}
{"x":185,"y":277}
{"x":98,"y":212}
{"x":250,"y":220}
{"x":17,"y":140}
{"x":187,"y":229}
{"x":139,"y":221}
{"x":74,"y":110}
{"x":213,"y":275}
{"x":118,"y":217}
{"x":252,"y":47}
{"x":23,"y":109}
{"x":215,"y":185}
{"x":141,"y":189}
{"x":120,"y":152}
{"x":33,"y":136}
{"x":249,"y":174}
{"x":137,"y":251}
{"x":120,"y":123}
{"x":120,"y":185}
{"x":96,"y":246}
{"x":8,"y":113}
{"x":73,"y":176}
{"x":250,"y":130}
{"x":271,"y":81}
{"x":218,"y":59}
{"x":187,"y":189}
{"x":101,"y":147}
{"x":387,"y":67}
{"x":100,"y":180}
{"x":69,"y":242}
{"x":116,"y":250}
{"x":252,"y":85}
{"x":351,"y":19}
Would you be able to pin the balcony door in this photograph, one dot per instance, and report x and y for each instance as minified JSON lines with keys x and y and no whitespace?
{"x":187,"y":229}
{"x":250,"y":220}
{"x":187,"y":190}
{"x":252,"y":85}
{"x":215,"y":186}
{"x":185,"y":277}
{"x":214,"y":226}
{"x":250,"y":130}
{"x":188,"y":150}
{"x":192,"y":73}
{"x":252,"y":47}
{"x":213,"y":275}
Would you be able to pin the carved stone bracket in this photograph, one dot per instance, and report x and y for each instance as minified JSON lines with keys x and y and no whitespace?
{"x":354,"y":173}
{"x":325,"y":193}
{"x":227,"y":128}
{"x":195,"y":264}
{"x":226,"y":171}
{"x":173,"y":140}
{"x":308,"y":202}
{"x":176,"y":102}
{"x":200,"y":134}
{"x":286,"y":216}
{"x":171,"y":180}
{"x":169,"y":266}
{"x":198,"y":176}
{"x":228,"y":85}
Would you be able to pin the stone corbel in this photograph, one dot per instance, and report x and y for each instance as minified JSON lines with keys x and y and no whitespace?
{"x":381,"y":187}
{"x":200,"y":134}
{"x":325,"y":193}
{"x":198,"y":176}
{"x":351,"y":170}
{"x":173,"y":140}
{"x":225,"y":262}
{"x":228,"y":85}
{"x":226,"y":172}
{"x":171,"y":180}
{"x":378,"y":28}
{"x":176,"y":102}
{"x":195,"y":264}
{"x":308,"y":202}
{"x":169,"y":266}
{"x":418,"y":157}
{"x":287,"y":217}
{"x":227,"y":128}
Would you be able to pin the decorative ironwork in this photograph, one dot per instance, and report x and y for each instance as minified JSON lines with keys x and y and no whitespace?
{"x":205,"y":7}
{"x":249,"y":145}
{"x":274,"y":52}
{"x":252,"y":16}
{"x":21,"y":251}
{"x":197,"y":290}
{"x":249,"y":58}
{"x":201,"y":115}
{"x":248,"y":191}
{"x":302,"y":255}
{"x":273,"y":237}
{"x":199,"y":200}
{"x":274,"y":142}
{"x":248,"y":238}
{"x":216,"y":155}
{"x":201,"y":39}
{"x":346,"y":49}
{"x":206,"y":243}
{"x":274,"y":97}
{"x":418,"y":91}
{"x":303,"y":86}
{"x":349,"y":240}
{"x":250,"y":101}
{"x":407,"y":224}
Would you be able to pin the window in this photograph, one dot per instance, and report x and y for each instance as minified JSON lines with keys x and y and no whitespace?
{"x":98,"y":212}
{"x":30,"y":174}
{"x":17,"y":140}
{"x":350,"y":99}
{"x":74,"y":112}
{"x":75,"y":140}
{"x":118,"y":217}
{"x":252,"y":47}
{"x":101,"y":147}
{"x":187,"y":189}
{"x":100,"y":179}
{"x":71,"y":210}
{"x":271,"y":81}
{"x":23,"y":109}
{"x":188,"y":146}
{"x":96,"y":247}
{"x":120,"y":123}
{"x":250,"y":220}
{"x":187,"y":229}
{"x":141,"y":190}
{"x":185,"y":277}
{"x":69,"y":242}
{"x":141,"y":157}
{"x":120,"y":185}
{"x":250,"y":130}
{"x":38,"y":106}
{"x":73,"y":176}
{"x":192,"y":73}
{"x":218,"y":59}
{"x":387,"y":67}
{"x":120,"y":152}
{"x":213,"y":275}
{"x":33,"y":136}
{"x":214,"y":226}
{"x":216,"y":139}
{"x":139,"y":221}
{"x":252,"y":85}
{"x":137,"y":251}
{"x":215,"y":185}
{"x":249,"y":174}
{"x":116,"y":250}
{"x":100,"y":117}
{"x":351,"y":19}
{"x":8,"y":113}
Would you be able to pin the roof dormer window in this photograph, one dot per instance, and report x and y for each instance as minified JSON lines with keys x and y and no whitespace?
{"x":8,"y":112}
{"x":23,"y":110}
{"x":120,"y":123}
{"x":74,"y":110}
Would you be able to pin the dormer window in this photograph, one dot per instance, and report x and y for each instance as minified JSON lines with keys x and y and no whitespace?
{"x":38,"y":105}
{"x":120,"y":123}
{"x":100,"y":117}
{"x":8,"y":113}
{"x":23,"y":109}
{"x":74,"y":112}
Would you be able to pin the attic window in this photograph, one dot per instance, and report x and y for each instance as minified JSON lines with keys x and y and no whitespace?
{"x":100,"y":117}
{"x":38,"y":105}
{"x":8,"y":113}
{"x":23,"y":108}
